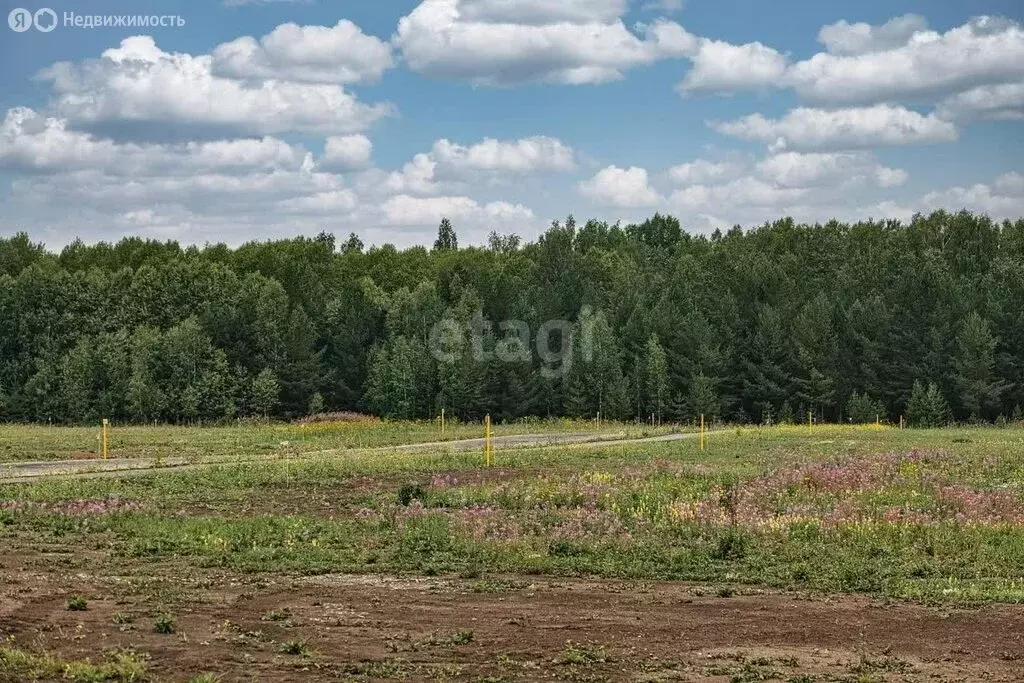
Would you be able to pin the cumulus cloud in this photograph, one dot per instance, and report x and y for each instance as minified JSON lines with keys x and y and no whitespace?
{"x":346,"y":152}
{"x":985,"y":50}
{"x":795,"y":169}
{"x":719,"y":66}
{"x":844,"y":38}
{"x":526,"y":155}
{"x":621,"y":187}
{"x":975,"y":66}
{"x":807,"y":128}
{"x":405,"y":210}
{"x":1000,"y":199}
{"x":313,"y":54}
{"x":747,"y":192}
{"x":703,"y":171}
{"x":449,"y":165}
{"x":31,"y":142}
{"x":139,"y":82}
{"x":1004,"y":101}
{"x":501,"y":42}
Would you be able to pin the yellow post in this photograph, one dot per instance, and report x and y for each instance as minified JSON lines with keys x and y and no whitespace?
{"x":104,"y":438}
{"x":702,"y":431}
{"x":442,"y":421}
{"x":487,"y":440}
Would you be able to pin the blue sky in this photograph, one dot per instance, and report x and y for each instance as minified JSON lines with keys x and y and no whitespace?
{"x":256,"y":120}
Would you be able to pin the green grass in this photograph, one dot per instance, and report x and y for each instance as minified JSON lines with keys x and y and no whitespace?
{"x":22,"y":665}
{"x":925,"y":515}
{"x":38,"y":442}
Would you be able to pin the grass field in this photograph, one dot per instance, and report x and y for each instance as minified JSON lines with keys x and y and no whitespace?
{"x":278,"y":570}
{"x":39,"y":442}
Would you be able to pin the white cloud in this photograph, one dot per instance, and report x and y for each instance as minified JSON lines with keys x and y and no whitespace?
{"x":1001,"y":199}
{"x":1004,"y":198}
{"x":346,"y":152}
{"x":844,"y":38}
{"x":983,"y":51}
{"x":1010,"y":184}
{"x":855,"y":128}
{"x":526,"y":155}
{"x":900,"y":61}
{"x":1004,"y":101}
{"x":539,"y":12}
{"x":449,"y":166}
{"x":405,"y":210}
{"x":333,"y":201}
{"x":747,"y":192}
{"x":621,"y":187}
{"x":416,"y":176}
{"x":501,"y":42}
{"x":722,"y":67}
{"x":313,"y":54}
{"x":30,"y":142}
{"x":702,"y":171}
{"x":795,"y":169}
{"x":138,"y":82}
{"x":667,"y":6}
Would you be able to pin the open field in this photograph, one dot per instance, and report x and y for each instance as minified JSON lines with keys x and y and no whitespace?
{"x":38,"y":442}
{"x":837,"y":554}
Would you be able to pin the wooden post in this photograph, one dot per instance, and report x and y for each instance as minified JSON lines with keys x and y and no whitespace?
{"x":810,"y":421}
{"x":702,"y":431}
{"x":104,"y":437}
{"x":442,"y":421}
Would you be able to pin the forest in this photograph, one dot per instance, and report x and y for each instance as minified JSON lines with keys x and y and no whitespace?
{"x":848,"y":322}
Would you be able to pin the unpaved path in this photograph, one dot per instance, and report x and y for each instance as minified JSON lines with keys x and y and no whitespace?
{"x":13,"y":472}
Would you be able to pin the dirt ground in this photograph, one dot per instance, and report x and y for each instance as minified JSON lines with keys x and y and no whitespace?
{"x":491,"y":628}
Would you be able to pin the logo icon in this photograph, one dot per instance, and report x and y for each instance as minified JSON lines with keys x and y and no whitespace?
{"x":45,"y":20}
{"x":20,"y":19}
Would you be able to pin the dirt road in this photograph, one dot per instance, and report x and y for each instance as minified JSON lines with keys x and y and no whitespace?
{"x":24,"y":471}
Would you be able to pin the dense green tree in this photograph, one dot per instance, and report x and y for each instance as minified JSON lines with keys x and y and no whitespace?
{"x":927,"y":406}
{"x":827,"y":318}
{"x":446,"y":238}
{"x":655,"y":378}
{"x":265,"y":392}
{"x":862,"y":409}
{"x":979,"y":388}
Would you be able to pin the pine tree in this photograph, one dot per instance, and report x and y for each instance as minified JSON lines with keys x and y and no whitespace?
{"x":862,"y":409}
{"x":979,"y":388}
{"x":446,"y":238}
{"x":703,"y":398}
{"x":927,"y":407}
{"x":596,"y":384}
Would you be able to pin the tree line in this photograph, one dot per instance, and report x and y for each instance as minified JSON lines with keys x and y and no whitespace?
{"x":845,"y":321}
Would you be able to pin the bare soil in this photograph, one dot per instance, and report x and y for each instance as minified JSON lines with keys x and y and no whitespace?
{"x":489,"y":628}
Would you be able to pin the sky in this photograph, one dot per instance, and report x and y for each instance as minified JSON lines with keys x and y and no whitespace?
{"x":250,"y":120}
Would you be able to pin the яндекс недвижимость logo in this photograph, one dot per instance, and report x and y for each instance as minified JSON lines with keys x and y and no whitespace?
{"x":21,"y":19}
